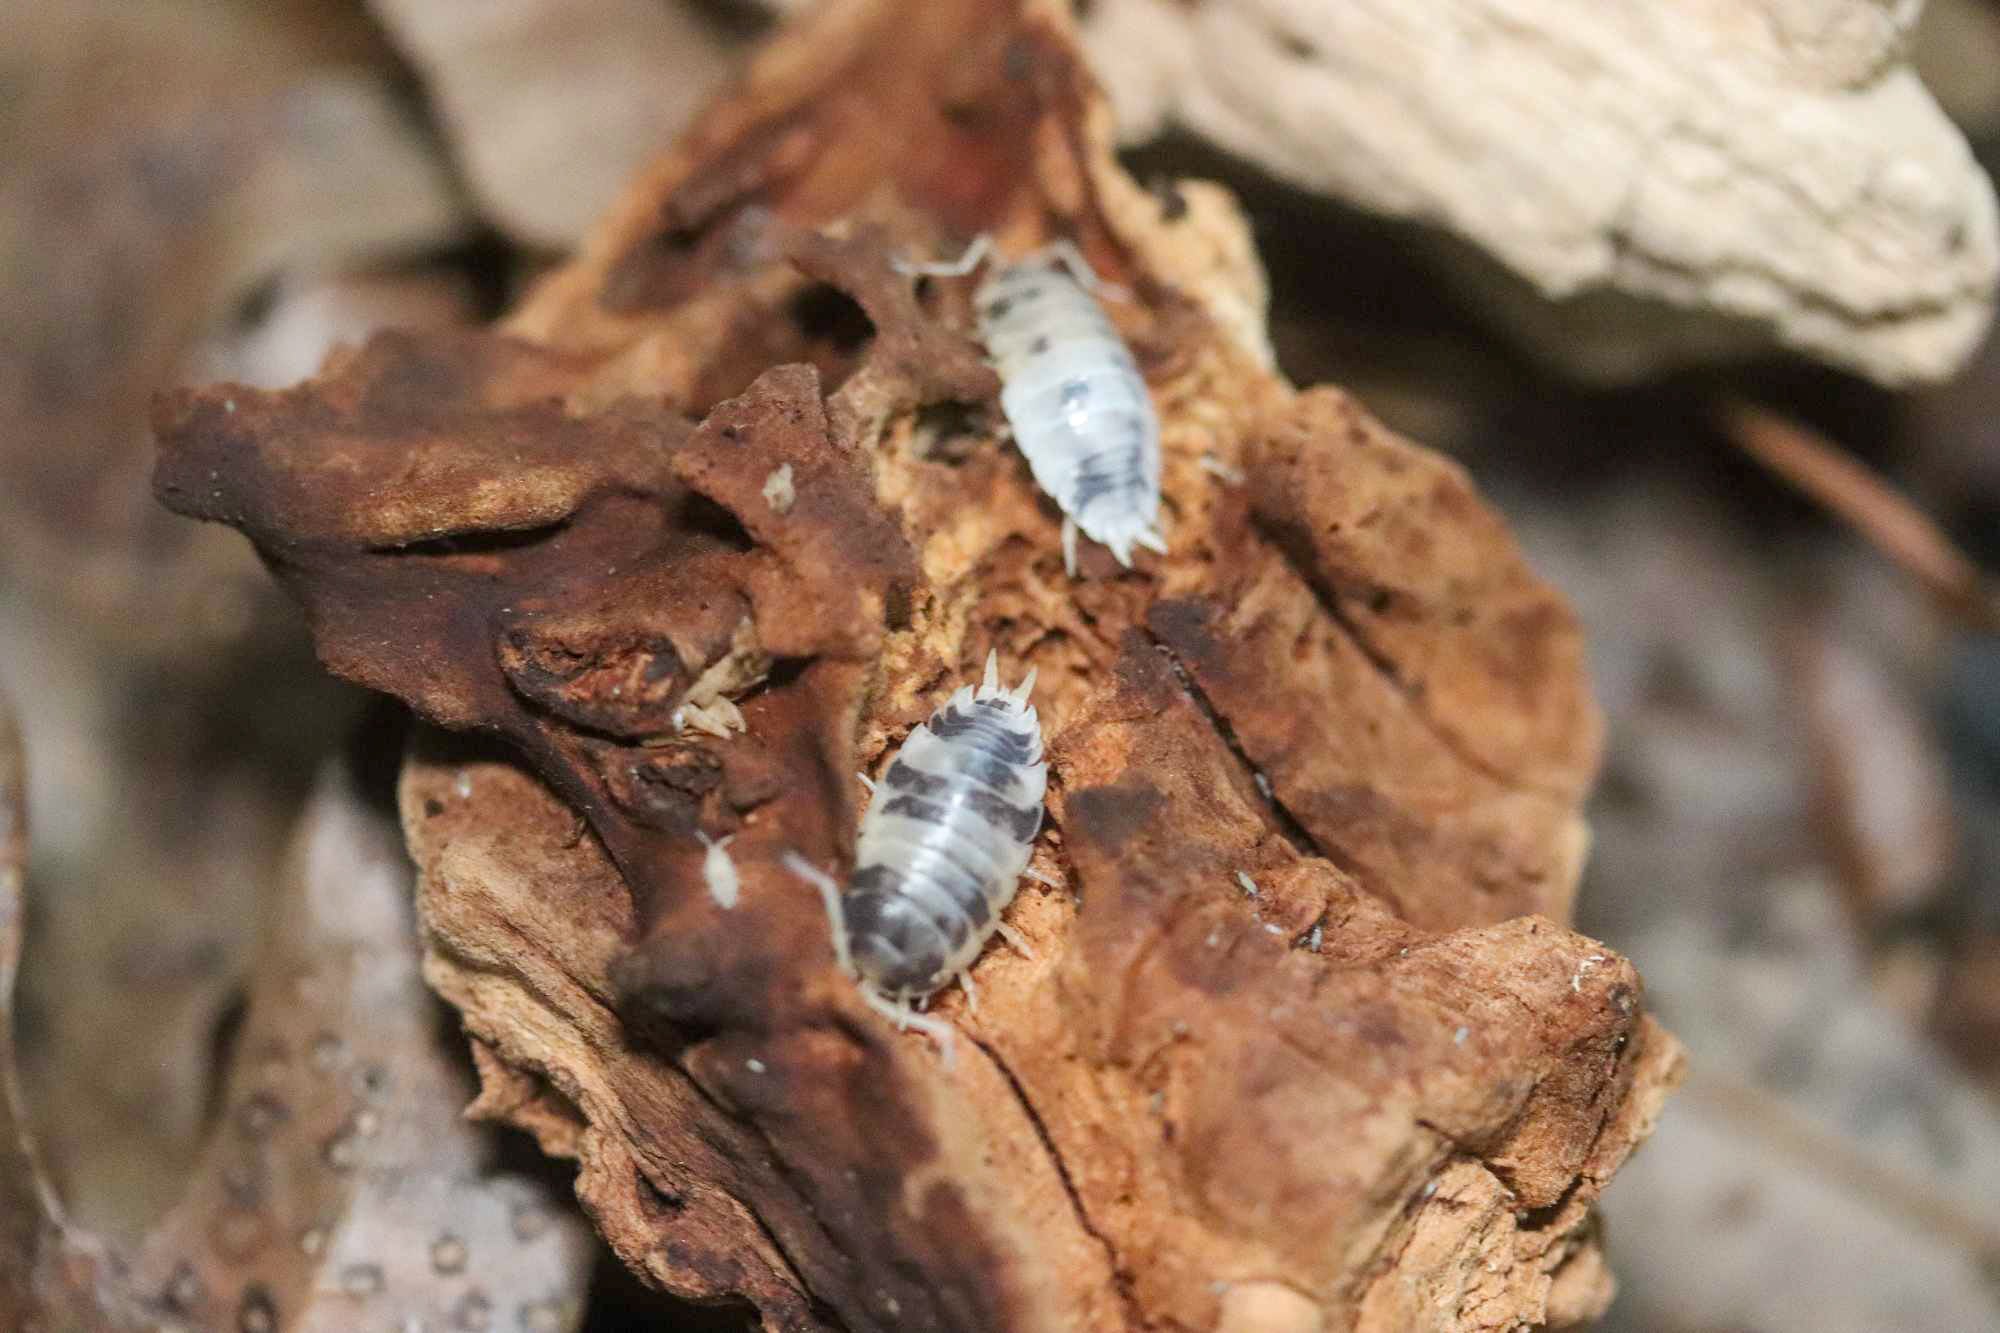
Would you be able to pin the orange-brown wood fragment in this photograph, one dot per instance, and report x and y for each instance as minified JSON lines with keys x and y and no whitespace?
{"x":1206,"y":1101}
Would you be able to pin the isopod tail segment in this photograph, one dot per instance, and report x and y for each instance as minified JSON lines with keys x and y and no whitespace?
{"x":898,"y":1011}
{"x":1150,"y":538}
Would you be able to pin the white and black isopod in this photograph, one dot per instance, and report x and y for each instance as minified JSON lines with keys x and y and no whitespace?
{"x":942,"y":848}
{"x":1072,"y":393}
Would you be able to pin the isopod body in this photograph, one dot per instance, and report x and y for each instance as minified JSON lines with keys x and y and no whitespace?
{"x":1078,"y":406}
{"x":942,"y":848}
{"x":1072,"y":394}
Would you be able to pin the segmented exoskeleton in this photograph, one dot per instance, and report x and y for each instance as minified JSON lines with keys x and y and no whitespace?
{"x":942,"y":848}
{"x":1072,"y":393}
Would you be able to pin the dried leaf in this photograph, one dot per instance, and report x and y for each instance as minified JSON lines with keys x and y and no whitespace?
{"x":340,"y":1185}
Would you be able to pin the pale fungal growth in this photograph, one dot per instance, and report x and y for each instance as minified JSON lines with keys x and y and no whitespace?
{"x":778,"y":490}
{"x":718,"y":872}
{"x":942,"y":849}
{"x":707,"y":706}
{"x":1072,"y":394}
{"x":1584,"y":966}
{"x":1774,"y":168}
{"x":720,"y":718}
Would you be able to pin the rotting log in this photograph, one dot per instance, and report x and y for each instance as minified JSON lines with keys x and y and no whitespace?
{"x":1381,"y":1091}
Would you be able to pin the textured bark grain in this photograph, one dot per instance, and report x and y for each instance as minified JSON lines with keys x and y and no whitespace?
{"x":1372,"y":1083}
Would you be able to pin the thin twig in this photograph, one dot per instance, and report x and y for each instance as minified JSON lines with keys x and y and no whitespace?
{"x":1847,"y":1165}
{"x":1885,"y":519}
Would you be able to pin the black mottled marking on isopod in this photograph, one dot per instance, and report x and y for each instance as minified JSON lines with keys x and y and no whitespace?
{"x":904,"y":776}
{"x":942,"y":912}
{"x":1095,"y":479}
{"x":878,"y":915}
{"x":881,"y":879}
{"x":912,"y":807}
{"x":996,"y":310}
{"x":1000,"y":742}
{"x":972,"y":882}
{"x":990,"y":772}
{"x":977,"y":911}
{"x":896,"y":946}
{"x":1020,"y":824}
{"x":1039,"y":346}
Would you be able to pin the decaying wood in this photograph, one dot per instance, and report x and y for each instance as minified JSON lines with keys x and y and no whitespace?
{"x":1777,"y":164}
{"x":340,"y":1188}
{"x":1382,"y":1090}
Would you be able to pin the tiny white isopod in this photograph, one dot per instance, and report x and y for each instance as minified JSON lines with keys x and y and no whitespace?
{"x":718,"y":871}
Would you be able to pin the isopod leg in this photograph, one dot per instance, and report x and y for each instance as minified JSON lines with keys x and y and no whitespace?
{"x":1069,"y":546}
{"x":867,"y":782}
{"x":1228,"y":472}
{"x":1017,"y":940}
{"x":1040,"y":878}
{"x":947,"y":268}
{"x":903,"y":1016}
{"x":829,"y":893}
{"x":1064,"y":252}
{"x":971,"y":991}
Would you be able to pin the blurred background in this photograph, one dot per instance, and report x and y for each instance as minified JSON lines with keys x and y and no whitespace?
{"x":1797,"y":830}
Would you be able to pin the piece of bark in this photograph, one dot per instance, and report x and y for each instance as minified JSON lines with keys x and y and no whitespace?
{"x":1195,"y":1106}
{"x":1777,"y":164}
{"x":340,"y":1187}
